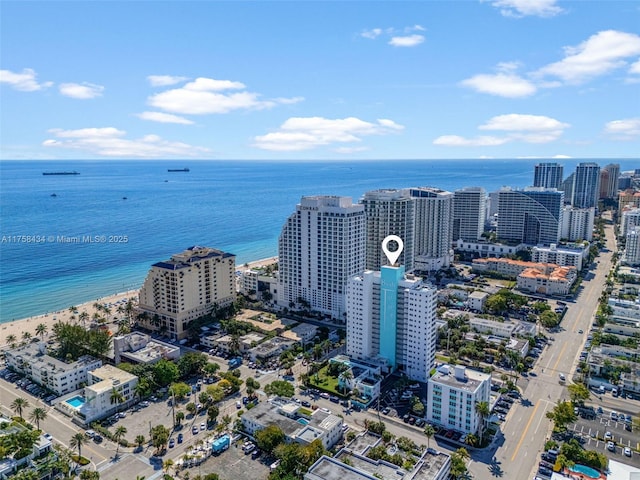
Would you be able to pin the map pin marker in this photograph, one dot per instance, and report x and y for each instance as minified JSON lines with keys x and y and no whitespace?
{"x":392,"y":256}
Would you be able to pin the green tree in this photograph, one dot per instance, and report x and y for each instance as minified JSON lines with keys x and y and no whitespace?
{"x":118,"y":435}
{"x":77,"y":441}
{"x":459,"y":463}
{"x":165,"y":372}
{"x":18,"y":405}
{"x":179,"y":417}
{"x":483,"y":410}
{"x":159,"y":437}
{"x":280,"y":388}
{"x":212,"y":413}
{"x":89,"y":475}
{"x":562,"y":415}
{"x":180,"y":390}
{"x":269,"y":438}
{"x":578,"y":393}
{"x":116,"y":397}
{"x":41,"y":330}
{"x":140,"y":441}
{"x":429,"y":431}
{"x":215,"y":393}
{"x":37,"y":415}
{"x":191,"y":408}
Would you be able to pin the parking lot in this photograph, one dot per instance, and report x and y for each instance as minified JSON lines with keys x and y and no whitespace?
{"x":593,"y":435}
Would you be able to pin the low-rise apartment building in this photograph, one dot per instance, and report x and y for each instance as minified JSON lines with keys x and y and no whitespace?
{"x":58,"y":376}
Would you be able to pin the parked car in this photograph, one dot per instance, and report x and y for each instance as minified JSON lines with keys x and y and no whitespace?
{"x":180,"y":438}
{"x":172,"y":443}
{"x":627,"y":451}
{"x":611,"y":446}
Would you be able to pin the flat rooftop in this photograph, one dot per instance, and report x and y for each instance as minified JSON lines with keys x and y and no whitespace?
{"x":470,"y":383}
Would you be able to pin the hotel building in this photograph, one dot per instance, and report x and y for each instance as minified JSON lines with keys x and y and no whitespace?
{"x":452,"y":395}
{"x":532,"y":216}
{"x":321,"y":245}
{"x":391,"y":318}
{"x":469,"y":210}
{"x":433,"y":228}
{"x":185,"y":287}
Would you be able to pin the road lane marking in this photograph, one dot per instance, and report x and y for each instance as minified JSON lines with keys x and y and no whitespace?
{"x":560,"y":356}
{"x":515,"y":453}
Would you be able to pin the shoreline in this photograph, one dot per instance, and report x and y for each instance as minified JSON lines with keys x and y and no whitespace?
{"x":29,"y":324}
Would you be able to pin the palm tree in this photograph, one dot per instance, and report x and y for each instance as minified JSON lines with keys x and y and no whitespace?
{"x":38,"y":414}
{"x":482,"y":409}
{"x":429,"y":431}
{"x":118,"y":435}
{"x":116,"y":397}
{"x":11,"y":340}
{"x":167,"y":465}
{"x":140,"y":440}
{"x":26,"y":336}
{"x":83,"y":317}
{"x":77,"y":441}
{"x":41,"y":329}
{"x":18,"y":405}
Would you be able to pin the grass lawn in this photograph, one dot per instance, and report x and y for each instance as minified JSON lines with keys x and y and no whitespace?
{"x":323,"y":381}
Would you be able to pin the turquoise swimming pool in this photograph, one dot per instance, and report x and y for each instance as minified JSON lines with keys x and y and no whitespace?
{"x":76,"y":402}
{"x":303,"y":421}
{"x":588,"y":471}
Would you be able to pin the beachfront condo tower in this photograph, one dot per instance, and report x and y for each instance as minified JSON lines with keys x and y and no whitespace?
{"x":391,"y":321}
{"x":532,"y":216}
{"x":548,"y":175}
{"x":433,"y":228}
{"x":469,"y":210}
{"x":187,"y":286}
{"x":586,"y":185}
{"x":321,"y":245}
{"x":388,"y":212}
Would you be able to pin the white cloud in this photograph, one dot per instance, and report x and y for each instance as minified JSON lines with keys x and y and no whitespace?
{"x":458,"y":141}
{"x":507,"y":85}
{"x":407,"y":41}
{"x":25,"y":81}
{"x":627,"y":129}
{"x":207,"y":96}
{"x":518,"y":127}
{"x":305,"y":133}
{"x":163,"y":118}
{"x":523,"y":8}
{"x":600,"y":54}
{"x":371,"y":34}
{"x":165,"y":80}
{"x":81,"y":91}
{"x":348,"y":150}
{"x":634,"y":69}
{"x":110,"y":142}
{"x":519,"y":122}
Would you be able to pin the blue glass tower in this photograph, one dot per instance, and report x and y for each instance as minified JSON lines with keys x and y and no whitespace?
{"x":390,"y":277}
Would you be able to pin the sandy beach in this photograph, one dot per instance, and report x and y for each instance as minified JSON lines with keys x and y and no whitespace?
{"x":18,"y":327}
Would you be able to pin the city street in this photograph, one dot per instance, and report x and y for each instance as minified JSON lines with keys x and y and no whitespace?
{"x":516,"y":453}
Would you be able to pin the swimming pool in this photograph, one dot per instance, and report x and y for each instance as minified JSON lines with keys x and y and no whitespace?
{"x":303,"y":421}
{"x":76,"y":402}
{"x":588,"y":471}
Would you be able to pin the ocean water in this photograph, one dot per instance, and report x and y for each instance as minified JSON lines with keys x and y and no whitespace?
{"x":103,"y":228}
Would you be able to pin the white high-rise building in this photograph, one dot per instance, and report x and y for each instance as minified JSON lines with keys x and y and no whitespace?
{"x":433,"y":228}
{"x":532,"y":216}
{"x":452,"y":395}
{"x":391,"y":317}
{"x":388,"y":212}
{"x":185,"y":287}
{"x":321,"y":245}
{"x":631,"y":255}
{"x":548,"y":175}
{"x":630,"y":220}
{"x":586,"y":185}
{"x":577,"y":223}
{"x":469,"y":210}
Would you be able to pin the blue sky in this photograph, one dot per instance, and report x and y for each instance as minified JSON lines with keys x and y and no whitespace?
{"x":320,"y":80}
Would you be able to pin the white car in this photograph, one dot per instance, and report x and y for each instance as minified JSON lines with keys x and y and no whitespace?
{"x":203,"y":426}
{"x":611,"y":446}
{"x":607,"y":436}
{"x":627,"y":451}
{"x":90,"y":433}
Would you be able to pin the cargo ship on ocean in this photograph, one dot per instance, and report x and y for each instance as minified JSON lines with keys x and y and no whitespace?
{"x":177,"y":170}
{"x":61,"y":173}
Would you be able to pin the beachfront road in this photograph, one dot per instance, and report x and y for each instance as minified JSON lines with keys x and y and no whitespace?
{"x":516,"y":453}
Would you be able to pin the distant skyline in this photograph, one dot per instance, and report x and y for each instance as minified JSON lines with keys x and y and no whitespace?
{"x":317,"y":80}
